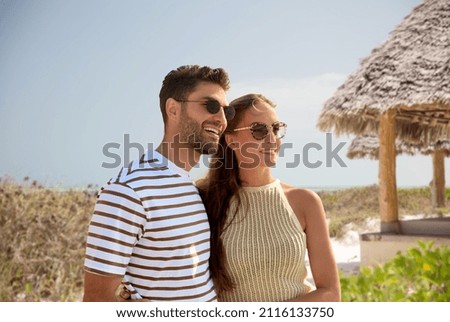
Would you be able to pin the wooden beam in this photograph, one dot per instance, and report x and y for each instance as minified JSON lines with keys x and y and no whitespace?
{"x":386,"y":175}
{"x":438,"y":183}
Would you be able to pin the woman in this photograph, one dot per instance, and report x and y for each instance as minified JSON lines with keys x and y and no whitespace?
{"x":262,"y":228}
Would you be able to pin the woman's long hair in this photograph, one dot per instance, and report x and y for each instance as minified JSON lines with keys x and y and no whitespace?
{"x":220,"y":185}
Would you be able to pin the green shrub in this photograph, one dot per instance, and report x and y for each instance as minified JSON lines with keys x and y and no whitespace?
{"x":422,"y":274}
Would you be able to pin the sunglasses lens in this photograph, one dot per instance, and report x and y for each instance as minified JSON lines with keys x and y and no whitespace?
{"x":212,"y":106}
{"x":230,"y":112}
{"x":279,"y":129}
{"x":259,"y":131}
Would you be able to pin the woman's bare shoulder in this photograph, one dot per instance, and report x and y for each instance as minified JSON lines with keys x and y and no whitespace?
{"x":300,"y":194}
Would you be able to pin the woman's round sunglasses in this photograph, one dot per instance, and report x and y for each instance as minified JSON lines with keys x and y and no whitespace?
{"x":260,"y":130}
{"x":213,"y":106}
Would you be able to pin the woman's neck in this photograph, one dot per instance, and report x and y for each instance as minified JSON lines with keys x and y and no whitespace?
{"x":255,"y":177}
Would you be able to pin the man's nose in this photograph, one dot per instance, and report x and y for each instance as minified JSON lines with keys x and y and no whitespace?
{"x":220,"y":118}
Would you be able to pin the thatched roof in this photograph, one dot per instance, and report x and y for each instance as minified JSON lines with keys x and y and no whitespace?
{"x":367,"y":146}
{"x":410,"y":73}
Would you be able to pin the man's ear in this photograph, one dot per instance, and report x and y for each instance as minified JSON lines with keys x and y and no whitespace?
{"x":173,"y":109}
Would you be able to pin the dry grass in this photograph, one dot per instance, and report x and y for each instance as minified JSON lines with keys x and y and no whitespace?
{"x":355,"y":205}
{"x":43,"y":233}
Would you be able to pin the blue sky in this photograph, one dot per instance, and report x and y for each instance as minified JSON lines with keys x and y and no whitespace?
{"x":77,"y":75}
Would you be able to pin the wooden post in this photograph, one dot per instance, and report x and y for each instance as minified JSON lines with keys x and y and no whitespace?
{"x":386,"y":175}
{"x":438,"y":183}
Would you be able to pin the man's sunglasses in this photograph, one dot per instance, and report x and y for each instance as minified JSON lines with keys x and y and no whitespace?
{"x":213,"y":107}
{"x":261,"y":130}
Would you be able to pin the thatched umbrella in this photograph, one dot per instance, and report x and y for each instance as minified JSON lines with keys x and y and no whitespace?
{"x":401,"y":90}
{"x":368,"y":146}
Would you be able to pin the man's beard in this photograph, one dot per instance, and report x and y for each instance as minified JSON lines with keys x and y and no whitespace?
{"x":192,"y":134}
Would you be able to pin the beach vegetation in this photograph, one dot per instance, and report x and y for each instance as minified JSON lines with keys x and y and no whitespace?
{"x":43,"y":233}
{"x":421,"y":274}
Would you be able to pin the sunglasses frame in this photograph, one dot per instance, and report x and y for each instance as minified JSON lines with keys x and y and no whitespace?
{"x":213,"y":107}
{"x":268,"y":128}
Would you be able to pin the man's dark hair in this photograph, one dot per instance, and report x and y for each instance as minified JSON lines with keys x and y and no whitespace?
{"x":180,"y":82}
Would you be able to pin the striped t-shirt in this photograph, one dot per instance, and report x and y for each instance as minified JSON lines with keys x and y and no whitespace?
{"x":150,"y":226}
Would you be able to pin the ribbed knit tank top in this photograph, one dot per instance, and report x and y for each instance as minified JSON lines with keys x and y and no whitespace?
{"x":265,"y":247}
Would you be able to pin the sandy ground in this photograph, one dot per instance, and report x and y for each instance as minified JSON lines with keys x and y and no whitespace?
{"x":347,"y":249}
{"x":347,"y":253}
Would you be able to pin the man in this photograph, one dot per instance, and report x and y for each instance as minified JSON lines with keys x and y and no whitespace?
{"x":149,"y":229}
